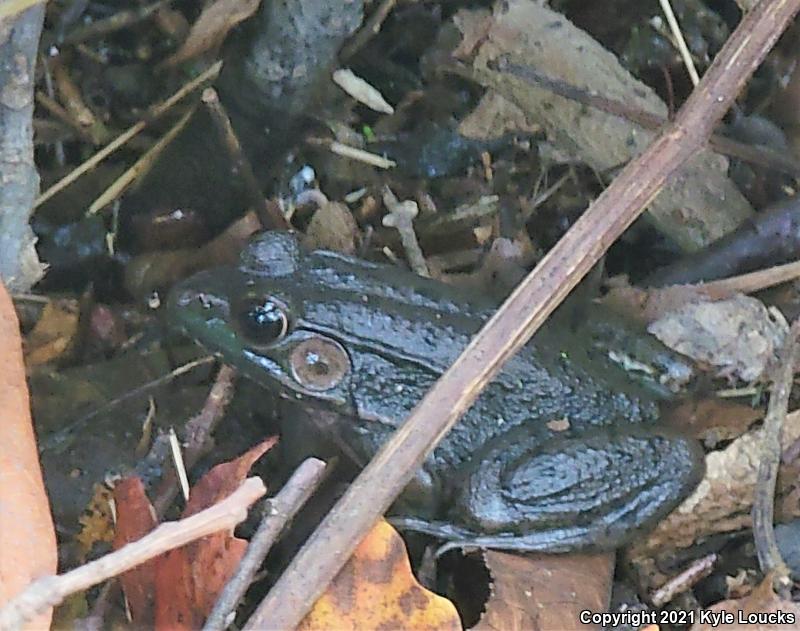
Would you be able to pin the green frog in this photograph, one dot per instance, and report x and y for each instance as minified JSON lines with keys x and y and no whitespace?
{"x":559,"y":452}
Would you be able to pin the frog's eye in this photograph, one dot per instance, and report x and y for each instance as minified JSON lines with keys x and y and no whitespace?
{"x":263,"y":320}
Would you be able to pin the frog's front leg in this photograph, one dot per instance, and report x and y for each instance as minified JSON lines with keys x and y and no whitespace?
{"x":590,"y":491}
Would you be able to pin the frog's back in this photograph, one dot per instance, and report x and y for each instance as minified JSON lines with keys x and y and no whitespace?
{"x":551,"y":382}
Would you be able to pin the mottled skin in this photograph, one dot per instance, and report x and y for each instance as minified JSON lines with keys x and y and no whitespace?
{"x":558,"y":452}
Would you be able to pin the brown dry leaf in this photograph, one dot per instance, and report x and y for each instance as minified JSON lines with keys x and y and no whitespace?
{"x":545,"y":592}
{"x":376,"y":590}
{"x":210,"y":29}
{"x":135,"y":518}
{"x":761,"y":610}
{"x":739,"y":336}
{"x":189,"y":579}
{"x":53,"y":334}
{"x":332,"y":228}
{"x":723,"y":500}
{"x":646,"y":305}
{"x":27,"y":537}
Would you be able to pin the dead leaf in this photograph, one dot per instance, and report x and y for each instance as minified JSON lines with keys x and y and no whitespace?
{"x":27,"y":543}
{"x":136,"y":518}
{"x":646,"y":305}
{"x":53,"y":334}
{"x":761,"y":610}
{"x":376,"y":590}
{"x":189,"y":579}
{"x":545,"y":592}
{"x":739,"y":336}
{"x":96,"y":521}
{"x":332,"y":228}
{"x":723,"y":500}
{"x":211,"y":28}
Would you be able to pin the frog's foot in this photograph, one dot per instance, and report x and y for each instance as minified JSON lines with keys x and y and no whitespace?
{"x":594,"y":491}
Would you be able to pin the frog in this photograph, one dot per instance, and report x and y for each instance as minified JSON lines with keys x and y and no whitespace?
{"x":561,"y":451}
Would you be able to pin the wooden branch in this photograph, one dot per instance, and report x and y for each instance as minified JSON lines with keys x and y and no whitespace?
{"x":51,"y":590}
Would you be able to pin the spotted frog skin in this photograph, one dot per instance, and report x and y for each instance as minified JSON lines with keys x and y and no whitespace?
{"x":561,"y":451}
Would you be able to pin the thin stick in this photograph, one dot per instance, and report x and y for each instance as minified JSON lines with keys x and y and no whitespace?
{"x":49,"y":591}
{"x":60,"y":438}
{"x":116,"y":22}
{"x":697,"y":571}
{"x":139,"y":168}
{"x":279,"y":511}
{"x":354,"y":153}
{"x":666,"y":7}
{"x":373,"y":491}
{"x":370,"y":29}
{"x":752,"y":281}
{"x":119,"y":141}
{"x":769,"y":557}
{"x":197,"y":435}
{"x":758,"y":155}
{"x":270,"y":216}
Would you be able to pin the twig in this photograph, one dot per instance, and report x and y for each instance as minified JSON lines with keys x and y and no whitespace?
{"x":270,"y":215}
{"x":51,"y":590}
{"x":354,"y":153}
{"x":59,"y":439}
{"x":751,"y":282}
{"x":373,"y":491}
{"x":117,"y":22}
{"x":769,"y":557}
{"x":278,"y":512}
{"x":73,"y":102}
{"x":754,"y":154}
{"x":139,"y":168}
{"x":370,"y":29}
{"x":401,"y":218}
{"x":698,"y":570}
{"x":119,"y":141}
{"x":55,"y":108}
{"x":197,"y":434}
{"x":666,"y":7}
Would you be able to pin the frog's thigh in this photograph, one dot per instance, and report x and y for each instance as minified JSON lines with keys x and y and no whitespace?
{"x":589,"y":491}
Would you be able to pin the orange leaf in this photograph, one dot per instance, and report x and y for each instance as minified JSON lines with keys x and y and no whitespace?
{"x":53,"y":334}
{"x":27,"y":539}
{"x":96,"y":520}
{"x":189,"y":579}
{"x":376,"y":590}
{"x":224,"y":479}
{"x":136,"y":518}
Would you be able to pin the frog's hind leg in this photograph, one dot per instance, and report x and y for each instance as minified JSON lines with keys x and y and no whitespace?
{"x":586,"y":492}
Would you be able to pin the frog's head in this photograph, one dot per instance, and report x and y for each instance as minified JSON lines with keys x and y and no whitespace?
{"x":251,"y":317}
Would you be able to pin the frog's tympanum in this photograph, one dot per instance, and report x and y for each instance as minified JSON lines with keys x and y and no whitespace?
{"x":559,"y":452}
